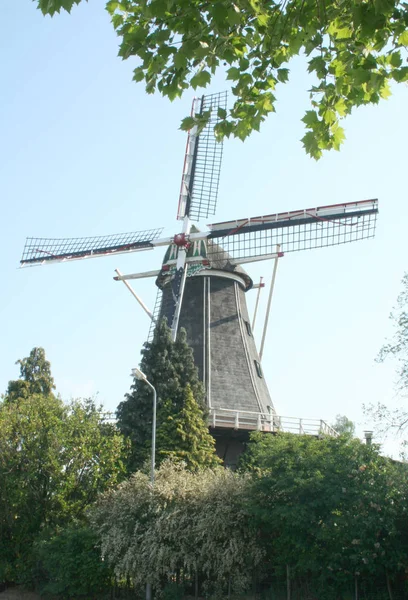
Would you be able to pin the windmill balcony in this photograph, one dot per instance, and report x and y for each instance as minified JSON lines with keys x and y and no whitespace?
{"x":226,"y":418}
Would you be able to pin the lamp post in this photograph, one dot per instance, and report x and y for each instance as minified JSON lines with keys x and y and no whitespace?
{"x":142,"y":377}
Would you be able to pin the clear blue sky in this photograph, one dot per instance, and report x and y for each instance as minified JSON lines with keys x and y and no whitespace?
{"x":84,"y":151}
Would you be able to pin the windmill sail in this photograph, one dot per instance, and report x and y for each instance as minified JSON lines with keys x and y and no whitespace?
{"x":202,"y":164}
{"x":45,"y":250}
{"x":256,"y":238}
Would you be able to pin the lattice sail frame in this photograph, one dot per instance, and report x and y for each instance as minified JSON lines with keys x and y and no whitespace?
{"x":202,"y":163}
{"x":257,"y":238}
{"x":45,"y":250}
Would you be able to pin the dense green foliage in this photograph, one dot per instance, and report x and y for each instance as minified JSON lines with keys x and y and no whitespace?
{"x":54,"y":460}
{"x":35,"y":377}
{"x":195,"y":523}
{"x":353,"y":49}
{"x":184,"y":435}
{"x":169,"y":366}
{"x":331,"y":513}
{"x":68,"y":564}
{"x":328,"y":505}
{"x":331,"y":510}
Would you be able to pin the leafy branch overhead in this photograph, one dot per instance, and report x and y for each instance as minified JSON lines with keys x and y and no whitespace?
{"x":354,"y":49}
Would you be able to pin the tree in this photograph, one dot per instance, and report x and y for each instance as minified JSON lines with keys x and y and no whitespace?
{"x":330,"y":508}
{"x":35,"y":376}
{"x":54,"y":460}
{"x":196,"y":523}
{"x":344,"y":426}
{"x":354,"y":50}
{"x":397,"y":348}
{"x":169,"y":366}
{"x":386,"y":419}
{"x":184,"y":435}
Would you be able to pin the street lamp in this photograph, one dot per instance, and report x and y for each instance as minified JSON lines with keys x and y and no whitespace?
{"x":142,"y":377}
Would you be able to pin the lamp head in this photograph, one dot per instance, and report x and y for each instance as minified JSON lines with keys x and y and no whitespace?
{"x":138,"y":374}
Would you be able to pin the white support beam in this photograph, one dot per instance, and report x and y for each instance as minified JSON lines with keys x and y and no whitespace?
{"x":136,"y":275}
{"x":132,"y":291}
{"x":259,"y":285}
{"x":268,"y":308}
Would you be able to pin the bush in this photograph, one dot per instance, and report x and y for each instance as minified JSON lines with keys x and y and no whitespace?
{"x":69,"y":564}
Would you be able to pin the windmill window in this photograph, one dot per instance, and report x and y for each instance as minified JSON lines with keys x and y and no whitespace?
{"x":258,"y":368}
{"x":248,"y":328}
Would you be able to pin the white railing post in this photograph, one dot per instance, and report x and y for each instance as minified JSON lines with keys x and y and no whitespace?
{"x":214,"y":418}
{"x":236,"y":420}
{"x":259,"y":423}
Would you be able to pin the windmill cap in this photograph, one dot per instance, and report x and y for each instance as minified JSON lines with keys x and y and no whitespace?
{"x":210,"y":256}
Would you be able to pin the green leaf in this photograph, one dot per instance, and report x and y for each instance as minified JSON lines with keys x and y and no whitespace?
{"x":403,"y":38}
{"x":395,"y":59}
{"x":114,"y":5}
{"x":243,"y":64}
{"x":282,"y":75}
{"x":138,"y":74}
{"x":360,"y":76}
{"x":201,"y":79}
{"x":233,"y":73}
{"x":385,"y":91}
{"x":50,"y":7}
{"x":341,"y":107}
{"x":338,"y":136}
{"x":311,"y":119}
{"x":187,"y":123}
{"x":400,"y":75}
{"x":222,"y":113}
{"x":329,"y":116}
{"x":311,"y":146}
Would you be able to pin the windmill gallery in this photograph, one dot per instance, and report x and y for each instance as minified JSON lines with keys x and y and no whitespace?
{"x":202,"y":284}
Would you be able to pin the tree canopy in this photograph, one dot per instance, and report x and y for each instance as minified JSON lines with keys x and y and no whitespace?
{"x":354,"y":49}
{"x":169,"y":366}
{"x":54,"y":460}
{"x":329,"y":507}
{"x":184,"y":435}
{"x":386,"y":419}
{"x":196,"y":522}
{"x":344,"y":426}
{"x":35,"y":376}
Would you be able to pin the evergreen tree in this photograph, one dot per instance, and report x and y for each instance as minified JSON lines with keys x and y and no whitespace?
{"x":169,"y":366}
{"x":184,"y":435}
{"x":35,"y":377}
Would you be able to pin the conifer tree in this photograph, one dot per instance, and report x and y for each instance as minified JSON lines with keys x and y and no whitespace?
{"x":35,"y":377}
{"x":184,"y":435}
{"x":169,"y":366}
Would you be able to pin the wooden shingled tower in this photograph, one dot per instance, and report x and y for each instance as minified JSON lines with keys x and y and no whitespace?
{"x":202,"y":284}
{"x":218,"y":327}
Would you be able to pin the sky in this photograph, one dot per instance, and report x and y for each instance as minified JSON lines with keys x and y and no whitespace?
{"x":84,"y":151}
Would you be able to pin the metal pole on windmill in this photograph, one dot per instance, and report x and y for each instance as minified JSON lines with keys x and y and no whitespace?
{"x":260,"y":286}
{"x":132,"y":291}
{"x":268,"y":308}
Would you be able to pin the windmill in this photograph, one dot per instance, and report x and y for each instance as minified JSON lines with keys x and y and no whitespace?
{"x":202,"y":283}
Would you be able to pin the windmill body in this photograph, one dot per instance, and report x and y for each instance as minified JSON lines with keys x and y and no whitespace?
{"x":215,"y":316}
{"x":202,"y":284}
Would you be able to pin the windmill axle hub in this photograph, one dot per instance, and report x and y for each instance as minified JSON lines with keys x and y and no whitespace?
{"x":181,"y":240}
